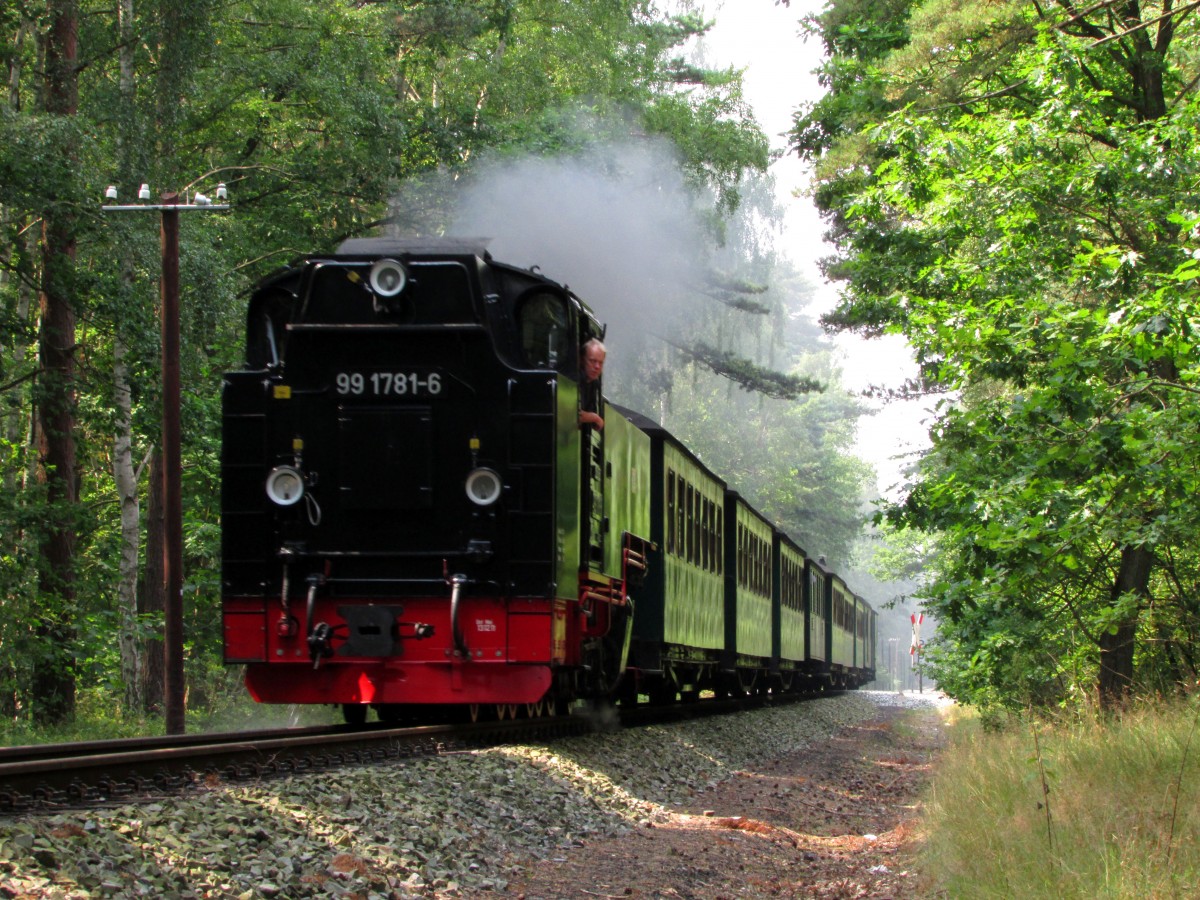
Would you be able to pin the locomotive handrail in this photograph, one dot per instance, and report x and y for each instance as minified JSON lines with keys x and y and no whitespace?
{"x":390,"y":328}
{"x":378,"y":554}
{"x":335,"y":580}
{"x":616,"y":597}
{"x":635,"y":559}
{"x":457,"y":582}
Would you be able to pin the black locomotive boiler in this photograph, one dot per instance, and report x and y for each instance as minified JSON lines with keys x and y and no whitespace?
{"x":414,"y":519}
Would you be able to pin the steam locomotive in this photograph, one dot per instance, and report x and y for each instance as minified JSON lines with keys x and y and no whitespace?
{"x":414,"y":520}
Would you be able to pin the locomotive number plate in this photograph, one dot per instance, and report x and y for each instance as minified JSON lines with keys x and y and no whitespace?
{"x":388,"y":384}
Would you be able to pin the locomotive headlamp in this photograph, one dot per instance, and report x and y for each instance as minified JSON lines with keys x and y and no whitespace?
{"x":388,"y":278}
{"x":285,"y":485}
{"x":483,"y":486}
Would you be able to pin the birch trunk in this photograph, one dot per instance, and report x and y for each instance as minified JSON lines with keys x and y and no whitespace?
{"x":126,"y":481}
{"x":125,"y":477}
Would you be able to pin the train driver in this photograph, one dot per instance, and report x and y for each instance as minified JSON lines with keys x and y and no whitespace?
{"x":591,"y":364}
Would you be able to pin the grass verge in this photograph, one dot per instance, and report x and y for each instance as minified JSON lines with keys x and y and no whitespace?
{"x":1091,"y":807}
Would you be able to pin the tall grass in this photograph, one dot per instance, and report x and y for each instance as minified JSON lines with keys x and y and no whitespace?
{"x":1091,"y":807}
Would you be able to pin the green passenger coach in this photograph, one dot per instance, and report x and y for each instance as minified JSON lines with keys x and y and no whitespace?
{"x":791,"y":644}
{"x":748,"y":589}
{"x":680,"y":621}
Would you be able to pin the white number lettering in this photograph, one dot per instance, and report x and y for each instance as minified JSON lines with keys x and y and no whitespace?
{"x":388,"y":384}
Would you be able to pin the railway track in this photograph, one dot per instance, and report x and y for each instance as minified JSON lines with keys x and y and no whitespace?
{"x":57,"y":776}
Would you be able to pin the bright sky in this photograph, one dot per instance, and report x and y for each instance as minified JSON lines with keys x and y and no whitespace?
{"x":764,"y":39}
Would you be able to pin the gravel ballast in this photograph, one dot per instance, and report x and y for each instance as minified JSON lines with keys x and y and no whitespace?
{"x":456,"y":825}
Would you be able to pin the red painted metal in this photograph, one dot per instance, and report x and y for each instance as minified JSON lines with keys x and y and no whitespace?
{"x":245,"y":627}
{"x":372,"y":681}
{"x":513,"y":646}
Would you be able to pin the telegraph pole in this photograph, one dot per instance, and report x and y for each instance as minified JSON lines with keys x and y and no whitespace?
{"x":169,"y":209}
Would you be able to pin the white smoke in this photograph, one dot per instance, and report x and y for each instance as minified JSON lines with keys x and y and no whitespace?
{"x":616,"y":223}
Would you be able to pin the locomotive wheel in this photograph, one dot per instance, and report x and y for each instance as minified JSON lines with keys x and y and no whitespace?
{"x":389,"y":712}
{"x":662,"y":692}
{"x":354,"y":713}
{"x":728,"y":686}
{"x":396,"y":713}
{"x":627,"y":691}
{"x":606,"y":656}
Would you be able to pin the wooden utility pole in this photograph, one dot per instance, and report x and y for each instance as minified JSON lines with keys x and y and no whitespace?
{"x":172,"y":468}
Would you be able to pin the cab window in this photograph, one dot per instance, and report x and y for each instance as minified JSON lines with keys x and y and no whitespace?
{"x":545,"y":335}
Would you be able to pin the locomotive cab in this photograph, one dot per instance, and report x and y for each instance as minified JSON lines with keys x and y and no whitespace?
{"x":411,"y":514}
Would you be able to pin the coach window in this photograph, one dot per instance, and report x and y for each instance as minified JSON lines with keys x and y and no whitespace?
{"x":752,"y":549}
{"x":716,"y":537}
{"x":751,"y":560}
{"x":680,"y":517}
{"x":712,"y":536}
{"x":720,"y":540}
{"x":755,"y":563}
{"x":749,"y":553}
{"x":542,"y":318}
{"x":708,"y":554}
{"x":690,"y":523}
{"x":742,"y":556}
{"x":670,"y":510}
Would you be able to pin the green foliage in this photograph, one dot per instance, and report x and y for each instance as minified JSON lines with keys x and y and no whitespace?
{"x":1022,"y":210}
{"x":314,"y":114}
{"x":786,"y":445}
{"x":747,"y":374}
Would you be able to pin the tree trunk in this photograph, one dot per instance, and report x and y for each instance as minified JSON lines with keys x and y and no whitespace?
{"x":125,"y":475}
{"x":53,"y":682}
{"x":1146,"y":64}
{"x":152,"y":596}
{"x":1116,"y":649}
